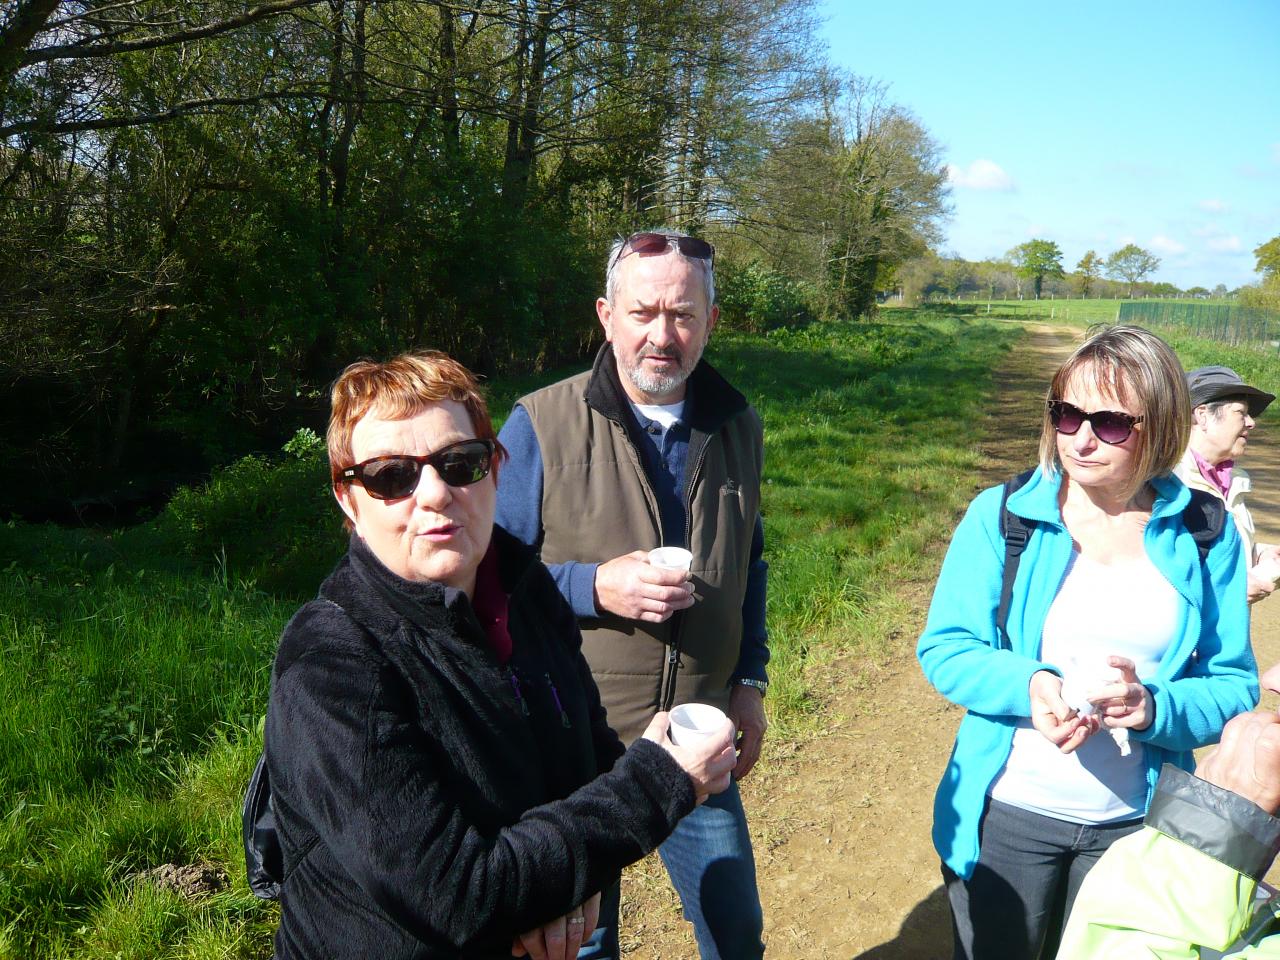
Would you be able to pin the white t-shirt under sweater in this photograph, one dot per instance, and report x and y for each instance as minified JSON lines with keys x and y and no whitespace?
{"x":1126,"y":609}
{"x":663,"y":414}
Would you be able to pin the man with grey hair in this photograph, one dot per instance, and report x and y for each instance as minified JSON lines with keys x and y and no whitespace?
{"x":1224,"y":409}
{"x":652,"y":447}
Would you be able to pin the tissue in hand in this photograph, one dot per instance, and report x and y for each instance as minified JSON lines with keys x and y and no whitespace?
{"x":1078,"y":683}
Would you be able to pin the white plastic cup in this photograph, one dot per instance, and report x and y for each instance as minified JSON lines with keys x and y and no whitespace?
{"x":1268,"y":569}
{"x":671,"y":558}
{"x":692,"y":723}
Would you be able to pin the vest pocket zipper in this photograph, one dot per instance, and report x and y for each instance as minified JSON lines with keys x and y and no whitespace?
{"x":672,"y":666}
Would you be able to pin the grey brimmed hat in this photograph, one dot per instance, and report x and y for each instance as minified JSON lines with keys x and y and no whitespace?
{"x":1207,"y":384}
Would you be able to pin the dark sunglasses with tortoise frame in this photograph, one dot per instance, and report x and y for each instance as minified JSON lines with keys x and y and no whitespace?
{"x":1109,"y":426}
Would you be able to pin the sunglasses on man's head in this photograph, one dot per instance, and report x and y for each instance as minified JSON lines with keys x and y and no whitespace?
{"x":651,"y":243}
{"x":1109,"y":426}
{"x":396,"y":475}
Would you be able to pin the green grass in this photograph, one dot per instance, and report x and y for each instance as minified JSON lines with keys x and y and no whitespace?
{"x":129,"y":708}
{"x":864,"y":467}
{"x":1077,"y":312}
{"x":1061,"y":310}
{"x":1258,"y":368}
{"x":135,"y":664}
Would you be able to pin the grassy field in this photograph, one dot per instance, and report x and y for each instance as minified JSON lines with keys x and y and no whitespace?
{"x":1258,"y":368}
{"x":1258,"y":365}
{"x":1082,"y":312}
{"x":136,"y":663}
{"x":1062,"y":310}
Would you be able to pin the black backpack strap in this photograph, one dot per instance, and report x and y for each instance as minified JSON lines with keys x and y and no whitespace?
{"x":1204,"y":517}
{"x":263,"y":856}
{"x":263,"y":851}
{"x":1016,"y":532}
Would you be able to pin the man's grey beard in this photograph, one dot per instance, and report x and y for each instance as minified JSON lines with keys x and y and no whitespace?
{"x":655,"y":384}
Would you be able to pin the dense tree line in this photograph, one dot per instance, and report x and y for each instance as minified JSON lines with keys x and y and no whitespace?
{"x":1035,"y":270}
{"x":207,"y":207}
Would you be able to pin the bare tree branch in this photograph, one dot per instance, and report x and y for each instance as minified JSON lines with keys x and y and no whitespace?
{"x":94,"y":48}
{"x":185,"y":108}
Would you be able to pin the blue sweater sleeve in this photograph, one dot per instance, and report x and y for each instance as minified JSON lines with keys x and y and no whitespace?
{"x":519,"y":509}
{"x":754,"y":653}
{"x":960,"y":650}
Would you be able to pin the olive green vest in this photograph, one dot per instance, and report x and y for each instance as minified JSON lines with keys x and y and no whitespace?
{"x":598,"y":504}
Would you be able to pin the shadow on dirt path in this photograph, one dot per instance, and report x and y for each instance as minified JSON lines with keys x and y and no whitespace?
{"x":841,"y":823}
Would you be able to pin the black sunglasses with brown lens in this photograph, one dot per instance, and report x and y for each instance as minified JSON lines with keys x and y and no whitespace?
{"x":396,"y":475}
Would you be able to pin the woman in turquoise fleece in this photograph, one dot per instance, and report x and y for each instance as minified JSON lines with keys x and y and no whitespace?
{"x":1115,"y":626}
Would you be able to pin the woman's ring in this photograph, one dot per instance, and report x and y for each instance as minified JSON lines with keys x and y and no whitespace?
{"x":576,"y":920}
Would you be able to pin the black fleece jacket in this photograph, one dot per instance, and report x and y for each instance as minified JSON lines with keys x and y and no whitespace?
{"x":432,"y":802}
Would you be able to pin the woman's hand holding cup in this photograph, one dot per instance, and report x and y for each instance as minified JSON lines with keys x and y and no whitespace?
{"x":702,"y":745}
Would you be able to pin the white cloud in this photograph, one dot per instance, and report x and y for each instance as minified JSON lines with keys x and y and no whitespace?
{"x":982,"y":174}
{"x":1166,"y":245}
{"x":1213,"y":206}
{"x":1226,"y":244}
{"x":1275,"y":152}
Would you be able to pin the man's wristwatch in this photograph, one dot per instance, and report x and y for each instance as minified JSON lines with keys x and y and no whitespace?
{"x":761,"y":685}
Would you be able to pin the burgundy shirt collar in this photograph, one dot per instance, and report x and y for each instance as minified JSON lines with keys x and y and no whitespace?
{"x":491,"y":604}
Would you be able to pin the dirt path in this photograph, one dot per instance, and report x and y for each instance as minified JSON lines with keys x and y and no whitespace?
{"x":841,"y":822}
{"x":1262,"y":460}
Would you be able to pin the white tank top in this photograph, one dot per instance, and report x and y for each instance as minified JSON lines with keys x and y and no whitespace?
{"x":1125,"y":609}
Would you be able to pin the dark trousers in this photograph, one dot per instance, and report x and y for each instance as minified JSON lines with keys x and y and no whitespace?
{"x":1029,"y":871}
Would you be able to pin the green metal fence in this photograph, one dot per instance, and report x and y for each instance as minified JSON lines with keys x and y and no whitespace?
{"x":1225,"y":322}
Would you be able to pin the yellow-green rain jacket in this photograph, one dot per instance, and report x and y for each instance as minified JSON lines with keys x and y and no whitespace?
{"x":1185,"y":886}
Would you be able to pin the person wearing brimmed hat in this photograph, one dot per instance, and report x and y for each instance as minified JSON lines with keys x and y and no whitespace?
{"x":1223,"y":410}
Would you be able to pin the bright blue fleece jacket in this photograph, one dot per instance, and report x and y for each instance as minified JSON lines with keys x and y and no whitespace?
{"x":1206,"y":676}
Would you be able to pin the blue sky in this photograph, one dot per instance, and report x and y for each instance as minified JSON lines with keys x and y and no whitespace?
{"x":1091,"y":124}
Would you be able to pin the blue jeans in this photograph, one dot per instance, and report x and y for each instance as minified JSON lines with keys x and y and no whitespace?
{"x":713,"y":870}
{"x":1029,"y":871}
